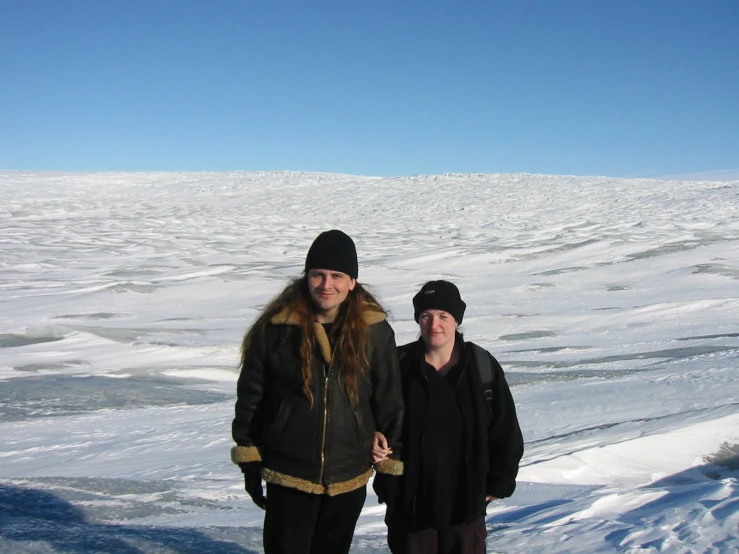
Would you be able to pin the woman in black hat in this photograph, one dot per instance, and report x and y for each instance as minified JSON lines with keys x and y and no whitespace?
{"x":461,"y":439}
{"x":319,"y":375}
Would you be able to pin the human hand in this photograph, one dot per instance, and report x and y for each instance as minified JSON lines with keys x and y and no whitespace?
{"x":489,"y":498}
{"x":380,"y":448}
{"x":253,"y":482}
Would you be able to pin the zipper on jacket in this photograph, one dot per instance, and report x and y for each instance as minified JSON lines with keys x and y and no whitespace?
{"x":325,"y":422}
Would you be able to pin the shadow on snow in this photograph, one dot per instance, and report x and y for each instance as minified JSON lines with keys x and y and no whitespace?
{"x":33,"y":520}
{"x":703,"y":493}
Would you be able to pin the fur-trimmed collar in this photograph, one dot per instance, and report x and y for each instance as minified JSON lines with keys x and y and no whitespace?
{"x":371,"y":314}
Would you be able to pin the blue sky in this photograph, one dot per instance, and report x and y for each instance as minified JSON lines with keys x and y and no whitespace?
{"x":623,"y":88}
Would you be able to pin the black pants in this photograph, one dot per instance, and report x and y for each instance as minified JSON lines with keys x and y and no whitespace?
{"x":297,"y":522}
{"x":465,"y":538}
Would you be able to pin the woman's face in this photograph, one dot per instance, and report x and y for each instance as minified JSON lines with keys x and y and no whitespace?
{"x":438,"y":328}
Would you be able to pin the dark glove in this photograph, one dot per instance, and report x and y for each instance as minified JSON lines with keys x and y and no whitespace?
{"x":387,"y":488}
{"x":253,"y":482}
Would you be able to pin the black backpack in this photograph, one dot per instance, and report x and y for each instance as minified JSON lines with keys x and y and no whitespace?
{"x":485,"y":369}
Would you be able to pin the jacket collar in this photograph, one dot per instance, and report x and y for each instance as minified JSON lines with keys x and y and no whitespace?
{"x":460,"y":346}
{"x":371,"y":314}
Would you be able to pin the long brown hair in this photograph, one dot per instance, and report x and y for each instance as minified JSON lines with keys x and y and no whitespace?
{"x":350,"y":338}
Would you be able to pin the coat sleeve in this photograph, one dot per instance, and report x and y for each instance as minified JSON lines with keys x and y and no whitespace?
{"x":387,"y":400}
{"x":505,"y":441}
{"x":247,"y":423}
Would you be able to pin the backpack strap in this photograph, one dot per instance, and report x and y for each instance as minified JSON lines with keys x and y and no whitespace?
{"x":482,"y":361}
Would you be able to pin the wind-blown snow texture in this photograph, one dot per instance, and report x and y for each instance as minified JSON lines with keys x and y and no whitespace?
{"x":612,"y":305}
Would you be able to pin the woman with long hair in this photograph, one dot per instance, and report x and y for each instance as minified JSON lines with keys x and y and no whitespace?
{"x":319,"y":376}
{"x":461,"y":440}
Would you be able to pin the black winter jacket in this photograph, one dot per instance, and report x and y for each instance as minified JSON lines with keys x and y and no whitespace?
{"x":492,"y":442}
{"x":324,"y":448}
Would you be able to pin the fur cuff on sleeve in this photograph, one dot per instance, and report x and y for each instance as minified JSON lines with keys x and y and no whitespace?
{"x":389,"y":466}
{"x":245,"y":454}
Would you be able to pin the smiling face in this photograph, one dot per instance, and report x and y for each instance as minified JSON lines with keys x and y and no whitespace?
{"x":438,"y":328}
{"x":328,"y":289}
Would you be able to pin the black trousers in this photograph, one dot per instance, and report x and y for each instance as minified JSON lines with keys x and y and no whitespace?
{"x":465,"y":538}
{"x":297,"y":522}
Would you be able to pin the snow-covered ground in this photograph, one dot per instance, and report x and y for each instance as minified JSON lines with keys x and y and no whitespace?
{"x":612,"y":305}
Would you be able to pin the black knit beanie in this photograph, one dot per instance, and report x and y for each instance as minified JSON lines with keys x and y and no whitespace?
{"x":439,"y":295}
{"x":333,"y":250}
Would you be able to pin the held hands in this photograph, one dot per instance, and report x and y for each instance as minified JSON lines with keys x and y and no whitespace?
{"x":253,"y":482}
{"x":380,"y":448}
{"x":387,"y":487}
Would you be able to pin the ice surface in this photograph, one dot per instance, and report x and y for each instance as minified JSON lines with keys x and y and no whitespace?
{"x":611,"y":304}
{"x":27,"y":397}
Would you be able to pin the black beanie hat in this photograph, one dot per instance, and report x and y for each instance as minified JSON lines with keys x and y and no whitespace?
{"x":333,"y":250}
{"x":439,"y":295}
